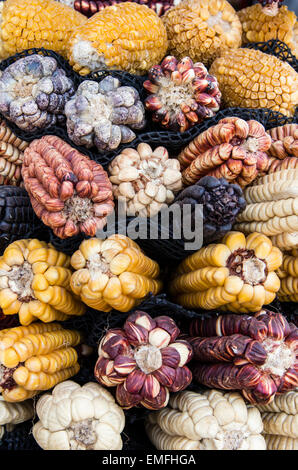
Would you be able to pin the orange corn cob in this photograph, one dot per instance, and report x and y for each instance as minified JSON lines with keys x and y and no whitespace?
{"x":35,"y":283}
{"x":236,"y":275}
{"x":113,"y":273}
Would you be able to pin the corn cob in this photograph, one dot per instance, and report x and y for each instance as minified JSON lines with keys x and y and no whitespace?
{"x":283,"y":152}
{"x":11,"y":156}
{"x":249,"y":78}
{"x":202,"y":30}
{"x":272,"y":208}
{"x":206,"y":421}
{"x":35,"y":283}
{"x":15,"y":413}
{"x":257,"y":26}
{"x":254,"y":354}
{"x":126,"y":36}
{"x":36,"y":23}
{"x":280,"y":419}
{"x":288,"y":274}
{"x":233,"y":149}
{"x":36,"y":358}
{"x":113,"y":273}
{"x":236,"y":275}
{"x":90,"y":7}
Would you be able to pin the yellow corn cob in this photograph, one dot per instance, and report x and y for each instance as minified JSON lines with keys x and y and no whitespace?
{"x":126,"y":36}
{"x":236,"y":275}
{"x":36,"y":23}
{"x":113,"y":273}
{"x":202,"y":30}
{"x":257,"y":26}
{"x":249,"y":78}
{"x":288,"y":274}
{"x":35,"y":283}
{"x":36,"y":357}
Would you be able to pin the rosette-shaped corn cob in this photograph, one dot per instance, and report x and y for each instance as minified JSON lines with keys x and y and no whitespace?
{"x":258,"y":25}
{"x":11,"y":156}
{"x":272,"y":208}
{"x":36,"y":358}
{"x":78,"y":418}
{"x":280,"y":420}
{"x":145,"y":360}
{"x":17,"y":218}
{"x":104,"y":114}
{"x":145,"y":179}
{"x":235,"y":275}
{"x":182,"y":93}
{"x":14,"y":413}
{"x":69,"y":192}
{"x":202,"y":29}
{"x":33,"y":92}
{"x":90,"y":7}
{"x":206,"y":421}
{"x":283,"y":153}
{"x":113,"y":273}
{"x":126,"y":36}
{"x":233,"y":149}
{"x":36,"y":23}
{"x":250,"y":78}
{"x":35,"y":283}
{"x":221,"y":201}
{"x":288,"y":274}
{"x":256,"y":355}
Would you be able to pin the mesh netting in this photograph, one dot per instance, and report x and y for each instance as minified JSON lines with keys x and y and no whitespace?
{"x":277,"y":48}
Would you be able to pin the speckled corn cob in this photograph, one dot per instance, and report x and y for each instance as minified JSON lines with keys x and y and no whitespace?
{"x":258,"y":27}
{"x":11,"y":156}
{"x":36,"y":358}
{"x":236,"y":275}
{"x":113,"y":273}
{"x":251,"y":79}
{"x":288,"y":274}
{"x":35,"y":283}
{"x":36,"y":23}
{"x":127,"y":36}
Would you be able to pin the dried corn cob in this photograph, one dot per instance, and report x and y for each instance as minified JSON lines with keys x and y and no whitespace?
{"x":36,"y":358}
{"x":249,"y":78}
{"x":288,"y":274}
{"x":125,"y":36}
{"x":68,"y":191}
{"x":202,"y":30}
{"x":113,"y":273}
{"x":15,"y":413}
{"x":17,"y":218}
{"x":206,"y":421}
{"x":283,"y":152}
{"x":236,"y":275}
{"x":90,"y":7}
{"x":11,"y":156}
{"x":36,"y":23}
{"x":35,"y":283}
{"x":257,"y":26}
{"x":272,"y":208}
{"x":280,"y":419}
{"x":255,"y":354}
{"x":233,"y":149}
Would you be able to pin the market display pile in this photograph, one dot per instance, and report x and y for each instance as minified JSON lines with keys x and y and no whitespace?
{"x":155,"y":105}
